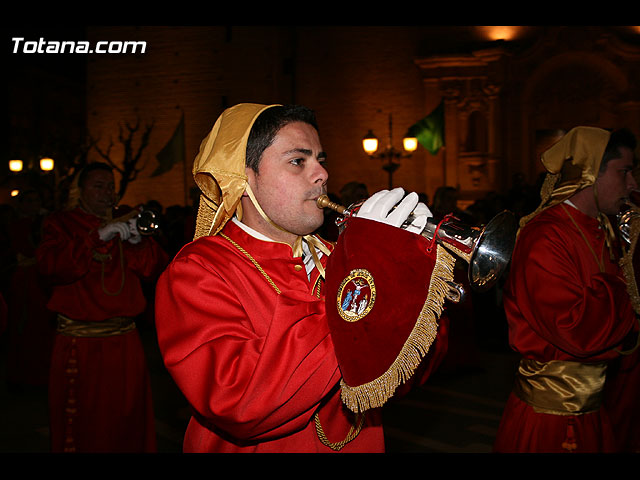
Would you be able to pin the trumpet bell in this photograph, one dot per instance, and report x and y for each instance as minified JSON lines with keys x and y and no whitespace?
{"x":147,"y":222}
{"x":486,"y":249}
{"x":493,"y":250}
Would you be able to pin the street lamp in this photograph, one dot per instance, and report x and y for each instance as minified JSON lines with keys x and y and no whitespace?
{"x":15,"y":165}
{"x":390,"y":154}
{"x":46,"y":164}
{"x":20,"y":168}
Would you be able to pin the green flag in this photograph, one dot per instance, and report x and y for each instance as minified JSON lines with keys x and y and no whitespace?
{"x":173,"y":151}
{"x":430,"y":130}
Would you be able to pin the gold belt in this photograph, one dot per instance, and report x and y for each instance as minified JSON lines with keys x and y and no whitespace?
{"x":561,"y":388}
{"x":105,"y":328}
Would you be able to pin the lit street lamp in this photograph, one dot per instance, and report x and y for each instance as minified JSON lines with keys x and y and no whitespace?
{"x":19,"y":168}
{"x":46,"y":164}
{"x":390,"y":154}
{"x":15,"y":165}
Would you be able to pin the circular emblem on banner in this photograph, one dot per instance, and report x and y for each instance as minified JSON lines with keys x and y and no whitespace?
{"x":356,"y":295}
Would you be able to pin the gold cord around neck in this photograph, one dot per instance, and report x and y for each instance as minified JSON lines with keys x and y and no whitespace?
{"x":312,"y":242}
{"x":353,"y":432}
{"x":254,"y":261}
{"x":104,"y":257}
{"x":599,"y":261}
{"x":605,"y":224}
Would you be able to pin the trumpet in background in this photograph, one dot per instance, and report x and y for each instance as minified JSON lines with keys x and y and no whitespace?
{"x":146,"y":220}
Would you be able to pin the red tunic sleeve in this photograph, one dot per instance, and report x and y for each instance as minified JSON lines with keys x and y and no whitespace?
{"x":254,"y":364}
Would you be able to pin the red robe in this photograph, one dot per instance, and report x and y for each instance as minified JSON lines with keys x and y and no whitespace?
{"x":31,"y":326}
{"x":559,"y":306}
{"x":255,"y":365}
{"x":622,"y":401}
{"x":99,"y":393}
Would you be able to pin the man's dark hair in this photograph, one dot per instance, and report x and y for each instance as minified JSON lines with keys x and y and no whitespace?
{"x":90,"y":167}
{"x":619,"y":138}
{"x":268,"y":124}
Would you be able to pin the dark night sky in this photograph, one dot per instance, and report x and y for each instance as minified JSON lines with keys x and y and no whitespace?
{"x":68,"y":68}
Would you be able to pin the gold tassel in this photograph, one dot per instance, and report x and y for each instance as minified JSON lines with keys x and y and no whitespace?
{"x":570,"y":444}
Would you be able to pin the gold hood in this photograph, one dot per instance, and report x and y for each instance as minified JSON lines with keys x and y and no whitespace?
{"x":572,"y":164}
{"x":219,"y":167}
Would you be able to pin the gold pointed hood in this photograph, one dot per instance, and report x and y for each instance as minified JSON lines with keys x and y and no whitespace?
{"x":572,"y":164}
{"x":219,"y":167}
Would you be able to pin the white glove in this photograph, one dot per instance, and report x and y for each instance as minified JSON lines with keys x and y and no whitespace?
{"x":380,"y":204}
{"x":110,"y":230}
{"x":135,"y":237}
{"x":420,"y":217}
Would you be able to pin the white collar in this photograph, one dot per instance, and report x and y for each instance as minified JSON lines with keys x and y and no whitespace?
{"x":251,"y":231}
{"x":307,"y":258}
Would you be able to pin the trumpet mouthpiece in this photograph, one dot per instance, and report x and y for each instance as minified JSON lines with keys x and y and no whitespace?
{"x":324,"y":202}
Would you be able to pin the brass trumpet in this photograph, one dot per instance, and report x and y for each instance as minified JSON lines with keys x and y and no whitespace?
{"x":146,"y":220}
{"x":487,"y":249}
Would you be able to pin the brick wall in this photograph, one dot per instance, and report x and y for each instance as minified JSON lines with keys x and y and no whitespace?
{"x":190,"y":70}
{"x":353,"y":77}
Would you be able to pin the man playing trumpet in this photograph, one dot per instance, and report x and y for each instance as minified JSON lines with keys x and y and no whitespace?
{"x":244,"y":312}
{"x":567,"y":304}
{"x":99,"y":394}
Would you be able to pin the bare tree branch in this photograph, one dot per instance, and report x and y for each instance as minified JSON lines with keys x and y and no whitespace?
{"x":130,"y":166}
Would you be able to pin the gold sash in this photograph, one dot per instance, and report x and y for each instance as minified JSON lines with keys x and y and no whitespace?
{"x":105,"y":328}
{"x":560,"y":388}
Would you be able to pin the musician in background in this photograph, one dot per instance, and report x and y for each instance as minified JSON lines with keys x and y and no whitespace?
{"x":99,"y":394}
{"x":240,"y":312}
{"x":567,"y":303}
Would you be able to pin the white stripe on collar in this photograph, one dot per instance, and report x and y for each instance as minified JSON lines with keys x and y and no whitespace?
{"x":251,"y":231}
{"x":307,"y":258}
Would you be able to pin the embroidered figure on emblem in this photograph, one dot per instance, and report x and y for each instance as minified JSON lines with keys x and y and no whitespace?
{"x":356,"y":295}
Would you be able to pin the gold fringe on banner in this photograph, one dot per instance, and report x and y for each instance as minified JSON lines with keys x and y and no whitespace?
{"x":374,"y":394}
